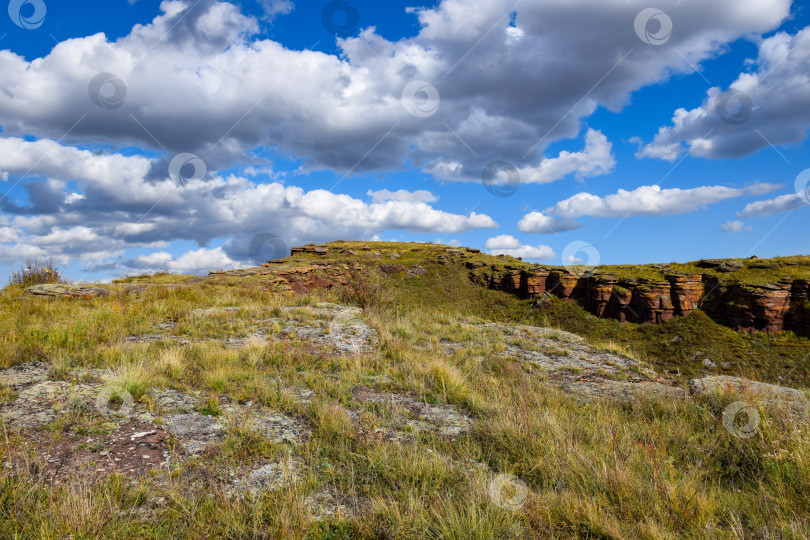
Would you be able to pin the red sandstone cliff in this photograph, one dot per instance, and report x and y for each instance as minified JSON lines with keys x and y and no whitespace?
{"x":770,"y":307}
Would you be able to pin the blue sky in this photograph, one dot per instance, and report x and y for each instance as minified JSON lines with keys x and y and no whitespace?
{"x":649,"y":132}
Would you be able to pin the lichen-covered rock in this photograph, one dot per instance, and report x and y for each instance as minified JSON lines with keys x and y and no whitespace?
{"x":194,"y":430}
{"x":44,"y":402}
{"x":725,"y":384}
{"x":24,"y":374}
{"x":411,"y":415}
{"x":62,"y":290}
{"x":268,"y":477}
{"x":624,"y":390}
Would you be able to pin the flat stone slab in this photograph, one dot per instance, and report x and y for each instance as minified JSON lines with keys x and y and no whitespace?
{"x":210,"y":312}
{"x":417,"y":416}
{"x":624,"y":390}
{"x":194,"y":430}
{"x":171,"y":400}
{"x":24,"y":374}
{"x":268,"y":477}
{"x":274,"y":426}
{"x":61,"y":290}
{"x":726,"y":384}
{"x":570,"y":363}
{"x":44,"y":402}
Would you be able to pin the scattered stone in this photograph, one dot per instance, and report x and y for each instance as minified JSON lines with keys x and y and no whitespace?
{"x":708,"y":363}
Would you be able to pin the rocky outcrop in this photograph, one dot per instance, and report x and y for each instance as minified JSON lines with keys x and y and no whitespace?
{"x":62,"y":290}
{"x":770,"y":308}
{"x":737,"y":385}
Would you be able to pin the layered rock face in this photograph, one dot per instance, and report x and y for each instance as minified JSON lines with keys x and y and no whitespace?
{"x":747,"y":308}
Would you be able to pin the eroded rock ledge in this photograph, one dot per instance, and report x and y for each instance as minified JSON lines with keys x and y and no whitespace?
{"x":770,"y":308}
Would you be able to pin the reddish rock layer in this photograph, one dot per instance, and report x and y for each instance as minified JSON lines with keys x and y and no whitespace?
{"x":746,"y":308}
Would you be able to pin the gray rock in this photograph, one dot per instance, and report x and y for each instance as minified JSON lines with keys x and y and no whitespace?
{"x":624,"y":390}
{"x":269,"y":477}
{"x":727,"y":384}
{"x":194,"y":430}
{"x":24,"y":374}
{"x":62,"y":290}
{"x":730,"y":266}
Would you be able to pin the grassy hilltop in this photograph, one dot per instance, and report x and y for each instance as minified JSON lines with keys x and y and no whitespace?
{"x":374,"y":391}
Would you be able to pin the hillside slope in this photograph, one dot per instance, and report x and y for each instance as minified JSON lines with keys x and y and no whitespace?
{"x":376,"y":391}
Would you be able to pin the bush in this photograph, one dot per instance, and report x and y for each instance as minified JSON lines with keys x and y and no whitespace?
{"x":35,"y":272}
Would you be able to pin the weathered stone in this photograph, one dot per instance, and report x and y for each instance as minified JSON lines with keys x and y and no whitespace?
{"x":727,"y":384}
{"x":24,"y":374}
{"x":443,"y":420}
{"x":194,"y":431}
{"x":624,"y":390}
{"x":269,"y":477}
{"x":61,"y":290}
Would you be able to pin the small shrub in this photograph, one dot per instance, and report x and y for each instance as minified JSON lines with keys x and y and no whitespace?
{"x":36,"y":271}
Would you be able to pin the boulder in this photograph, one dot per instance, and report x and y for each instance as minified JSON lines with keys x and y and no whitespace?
{"x":726,"y":384}
{"x":63,"y":290}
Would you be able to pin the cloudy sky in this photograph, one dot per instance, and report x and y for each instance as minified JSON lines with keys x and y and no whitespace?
{"x":189,"y":135}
